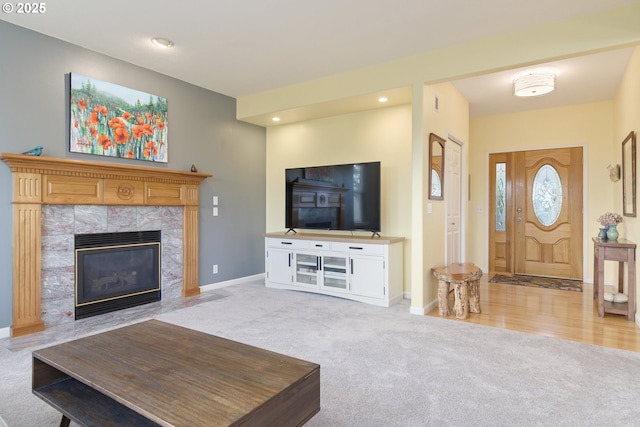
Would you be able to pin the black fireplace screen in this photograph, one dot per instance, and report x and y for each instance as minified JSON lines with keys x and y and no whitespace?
{"x":116,"y":271}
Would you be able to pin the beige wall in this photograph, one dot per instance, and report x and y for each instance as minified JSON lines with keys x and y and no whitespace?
{"x":385,"y":135}
{"x":397,"y":134}
{"x":586,"y":125}
{"x":627,"y":119}
{"x":379,"y":135}
{"x":451,"y":118}
{"x":598,"y":127}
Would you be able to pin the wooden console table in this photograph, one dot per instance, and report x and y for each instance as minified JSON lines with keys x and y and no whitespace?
{"x":620,"y":250}
{"x":158,"y":374}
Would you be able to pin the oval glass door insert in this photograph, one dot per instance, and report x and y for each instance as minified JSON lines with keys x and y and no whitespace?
{"x":547,"y":195}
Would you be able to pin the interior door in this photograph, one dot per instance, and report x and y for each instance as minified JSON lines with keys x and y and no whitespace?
{"x":453,"y":196}
{"x":536,"y":213}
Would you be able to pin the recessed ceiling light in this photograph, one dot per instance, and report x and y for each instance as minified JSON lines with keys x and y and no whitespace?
{"x":162,"y":42}
{"x":276,"y":119}
{"x":383,"y":99}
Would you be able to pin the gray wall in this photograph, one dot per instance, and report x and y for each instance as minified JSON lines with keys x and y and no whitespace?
{"x":202,"y":131}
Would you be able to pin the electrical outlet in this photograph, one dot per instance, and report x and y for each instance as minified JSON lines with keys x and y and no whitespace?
{"x":215,"y":200}
{"x":215,"y":268}
{"x":215,"y":211}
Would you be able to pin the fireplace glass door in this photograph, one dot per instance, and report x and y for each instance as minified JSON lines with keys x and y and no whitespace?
{"x":116,"y":271}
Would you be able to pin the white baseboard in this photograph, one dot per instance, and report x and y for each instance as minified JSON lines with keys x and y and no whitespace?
{"x":417,"y":310}
{"x":238,"y":281}
{"x":433,"y":304}
{"x":424,"y":310}
{"x":414,"y":310}
{"x":5,"y":333}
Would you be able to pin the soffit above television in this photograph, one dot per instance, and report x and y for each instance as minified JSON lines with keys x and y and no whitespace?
{"x":354,"y":104}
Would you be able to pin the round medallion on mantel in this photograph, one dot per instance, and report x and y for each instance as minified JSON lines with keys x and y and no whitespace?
{"x":125,"y":191}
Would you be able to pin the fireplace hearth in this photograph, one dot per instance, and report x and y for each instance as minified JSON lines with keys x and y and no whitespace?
{"x":116,"y":271}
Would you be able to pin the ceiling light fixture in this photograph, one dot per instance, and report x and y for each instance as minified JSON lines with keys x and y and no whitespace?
{"x":383,"y":99}
{"x":534,"y":84}
{"x":162,"y":42}
{"x":276,"y":119}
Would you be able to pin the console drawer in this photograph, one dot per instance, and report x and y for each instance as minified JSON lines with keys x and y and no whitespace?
{"x":361,"y":248}
{"x":320,"y":246}
{"x":287,"y":243}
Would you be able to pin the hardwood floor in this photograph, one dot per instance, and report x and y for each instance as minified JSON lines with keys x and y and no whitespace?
{"x":554,"y":313}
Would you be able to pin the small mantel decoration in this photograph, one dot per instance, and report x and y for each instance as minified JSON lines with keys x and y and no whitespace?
{"x":609,"y":221}
{"x":34,"y":151}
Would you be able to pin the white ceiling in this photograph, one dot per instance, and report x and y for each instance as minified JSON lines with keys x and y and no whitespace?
{"x":242,"y":47}
{"x":580,"y":80}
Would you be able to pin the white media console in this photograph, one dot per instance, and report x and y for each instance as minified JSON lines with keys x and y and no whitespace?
{"x":358,"y":268}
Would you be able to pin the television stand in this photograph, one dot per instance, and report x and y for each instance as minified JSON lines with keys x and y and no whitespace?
{"x":364,"y":269}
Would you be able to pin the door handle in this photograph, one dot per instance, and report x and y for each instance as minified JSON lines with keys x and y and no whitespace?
{"x":519,"y":219}
{"x":519,"y":210}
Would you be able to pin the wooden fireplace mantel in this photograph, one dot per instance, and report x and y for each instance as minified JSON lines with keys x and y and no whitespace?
{"x":41,"y":181}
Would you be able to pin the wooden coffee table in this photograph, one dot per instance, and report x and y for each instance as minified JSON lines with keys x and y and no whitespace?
{"x":155,"y":373}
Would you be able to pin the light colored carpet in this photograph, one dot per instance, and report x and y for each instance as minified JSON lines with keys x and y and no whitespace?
{"x":385,"y":367}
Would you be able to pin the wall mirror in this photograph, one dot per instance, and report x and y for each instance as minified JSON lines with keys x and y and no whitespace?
{"x":629,"y":175}
{"x":436,"y":167}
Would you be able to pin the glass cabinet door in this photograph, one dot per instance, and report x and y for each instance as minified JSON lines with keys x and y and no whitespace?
{"x":335,"y":273}
{"x":307,"y":267}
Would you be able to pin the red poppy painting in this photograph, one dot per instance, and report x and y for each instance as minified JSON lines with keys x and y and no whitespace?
{"x":112,"y":120}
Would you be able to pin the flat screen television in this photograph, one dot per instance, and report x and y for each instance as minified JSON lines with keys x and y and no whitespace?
{"x":334,"y":197}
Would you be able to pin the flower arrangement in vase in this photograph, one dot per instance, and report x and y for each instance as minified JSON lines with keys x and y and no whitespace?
{"x":609,"y":221}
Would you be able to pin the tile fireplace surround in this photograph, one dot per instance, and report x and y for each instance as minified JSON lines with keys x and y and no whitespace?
{"x":60,"y":224}
{"x":55,"y":198}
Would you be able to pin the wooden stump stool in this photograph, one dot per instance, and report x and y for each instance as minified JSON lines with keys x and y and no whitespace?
{"x":465,"y":278}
